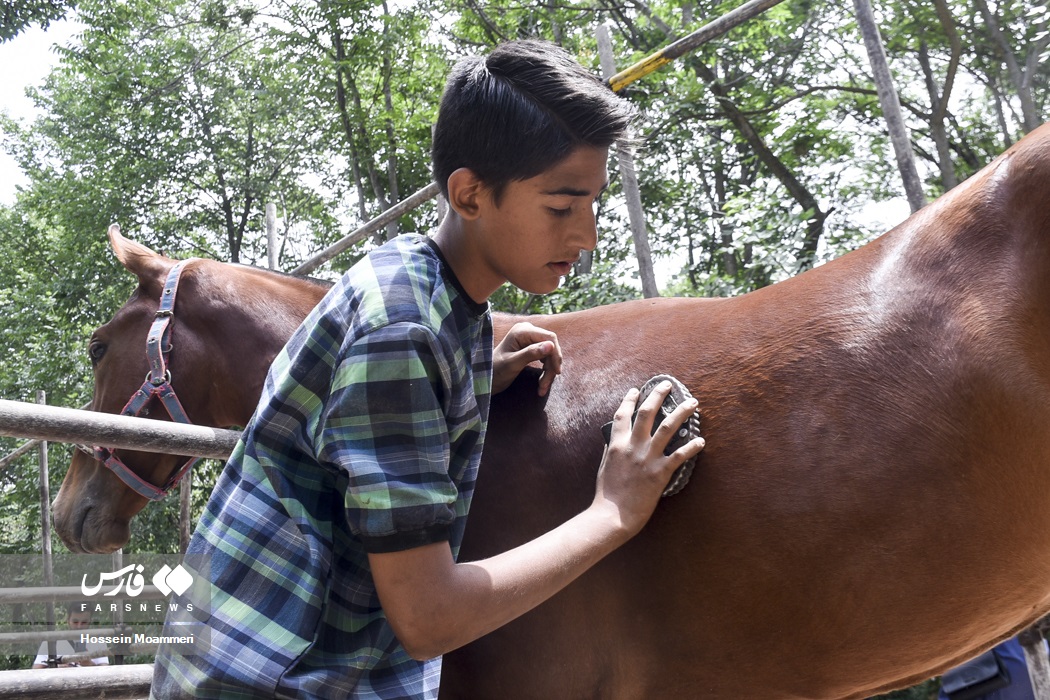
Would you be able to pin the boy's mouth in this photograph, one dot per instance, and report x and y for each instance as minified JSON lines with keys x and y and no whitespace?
{"x":562,"y":268}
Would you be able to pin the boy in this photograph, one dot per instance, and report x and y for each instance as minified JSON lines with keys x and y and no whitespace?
{"x":78,"y":619}
{"x":326,"y":558}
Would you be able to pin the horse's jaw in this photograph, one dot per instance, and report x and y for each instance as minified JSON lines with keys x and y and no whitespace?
{"x":97,"y":520}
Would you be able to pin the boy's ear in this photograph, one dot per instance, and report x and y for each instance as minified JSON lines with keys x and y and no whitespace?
{"x":465,"y":190}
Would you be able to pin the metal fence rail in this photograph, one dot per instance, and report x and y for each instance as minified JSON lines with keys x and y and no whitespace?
{"x":50,"y":423}
{"x":83,"y":683}
{"x":18,"y":419}
{"x":55,"y":635}
{"x":61,"y":594}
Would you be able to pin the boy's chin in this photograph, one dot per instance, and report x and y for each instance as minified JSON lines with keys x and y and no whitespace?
{"x":538,"y":287}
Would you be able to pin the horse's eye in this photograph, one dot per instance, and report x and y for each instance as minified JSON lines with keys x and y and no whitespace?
{"x":96,"y":351}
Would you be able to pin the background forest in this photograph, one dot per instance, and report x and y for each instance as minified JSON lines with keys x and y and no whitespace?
{"x":760,"y":154}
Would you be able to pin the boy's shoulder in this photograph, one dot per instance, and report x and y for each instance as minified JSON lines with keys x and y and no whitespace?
{"x":401,"y":281}
{"x":405,"y":260}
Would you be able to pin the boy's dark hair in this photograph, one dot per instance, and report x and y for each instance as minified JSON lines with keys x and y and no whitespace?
{"x":519,"y":111}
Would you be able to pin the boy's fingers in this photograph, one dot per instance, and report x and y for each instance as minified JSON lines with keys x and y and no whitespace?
{"x":687,"y":451}
{"x":670,"y":427}
{"x":622,"y":416}
{"x":551,"y":358}
{"x":533,"y":353}
{"x":650,"y":409}
{"x":674,"y":422}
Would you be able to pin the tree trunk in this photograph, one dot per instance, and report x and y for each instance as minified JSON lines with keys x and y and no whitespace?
{"x":891,"y":106}
{"x":344,"y":118}
{"x":369,"y":164}
{"x":357,"y":137}
{"x":225,"y":203}
{"x":391,"y":139}
{"x":1018,"y":78}
{"x":939,"y":98}
{"x":937,"y":130}
{"x":776,"y":167}
{"x":729,"y":259}
{"x":630,"y":184}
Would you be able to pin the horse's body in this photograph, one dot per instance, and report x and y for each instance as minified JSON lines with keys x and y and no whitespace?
{"x":872,"y":504}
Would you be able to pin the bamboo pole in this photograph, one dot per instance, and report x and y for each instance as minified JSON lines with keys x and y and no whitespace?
{"x":1038,"y":669}
{"x":19,"y":419}
{"x":185,"y":521}
{"x":392,"y":214}
{"x":23,"y":449}
{"x":1033,"y":643}
{"x":118,"y":615}
{"x":689,"y":42}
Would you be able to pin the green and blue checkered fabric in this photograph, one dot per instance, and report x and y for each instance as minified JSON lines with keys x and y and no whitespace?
{"x":367,"y":438}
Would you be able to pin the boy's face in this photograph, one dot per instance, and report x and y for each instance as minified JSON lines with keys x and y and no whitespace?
{"x":541,"y":225}
{"x":78,"y":620}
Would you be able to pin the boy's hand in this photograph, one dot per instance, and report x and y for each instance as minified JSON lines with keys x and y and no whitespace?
{"x":523,"y":344}
{"x":634,"y":470}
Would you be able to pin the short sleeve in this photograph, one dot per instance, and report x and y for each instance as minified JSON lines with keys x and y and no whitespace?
{"x":384,"y":428}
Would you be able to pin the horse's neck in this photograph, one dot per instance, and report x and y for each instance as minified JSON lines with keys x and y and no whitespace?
{"x":256,"y":312}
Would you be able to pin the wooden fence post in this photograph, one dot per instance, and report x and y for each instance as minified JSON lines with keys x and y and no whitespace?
{"x":185,"y":526}
{"x":45,"y":530}
{"x":271,"y":235}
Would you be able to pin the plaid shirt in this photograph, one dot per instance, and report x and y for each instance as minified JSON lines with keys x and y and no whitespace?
{"x":367,"y":438}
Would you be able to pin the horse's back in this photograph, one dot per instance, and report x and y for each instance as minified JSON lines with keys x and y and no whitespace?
{"x":868,"y":477}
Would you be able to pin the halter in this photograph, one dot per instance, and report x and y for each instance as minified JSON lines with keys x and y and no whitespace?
{"x":157,"y":385}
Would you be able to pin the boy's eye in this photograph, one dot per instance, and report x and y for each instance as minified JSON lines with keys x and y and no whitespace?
{"x":559,"y":212}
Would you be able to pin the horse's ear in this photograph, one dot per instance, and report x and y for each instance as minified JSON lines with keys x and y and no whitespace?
{"x":137,"y":258}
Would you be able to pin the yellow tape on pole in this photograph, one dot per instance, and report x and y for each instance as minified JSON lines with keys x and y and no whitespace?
{"x":638,"y":70}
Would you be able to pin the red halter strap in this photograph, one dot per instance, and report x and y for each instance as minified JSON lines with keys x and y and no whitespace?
{"x":157,"y":384}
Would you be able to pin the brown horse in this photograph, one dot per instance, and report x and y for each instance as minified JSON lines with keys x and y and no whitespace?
{"x":872,"y":505}
{"x":228,"y":324}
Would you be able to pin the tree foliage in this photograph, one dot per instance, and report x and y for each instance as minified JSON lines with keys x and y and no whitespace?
{"x":17,"y":15}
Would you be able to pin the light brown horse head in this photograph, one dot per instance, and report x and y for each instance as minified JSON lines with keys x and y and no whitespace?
{"x":215,"y":303}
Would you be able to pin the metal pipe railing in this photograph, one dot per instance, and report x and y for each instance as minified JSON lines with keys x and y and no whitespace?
{"x":57,"y":424}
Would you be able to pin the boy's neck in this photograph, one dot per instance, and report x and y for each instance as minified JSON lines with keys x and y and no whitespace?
{"x":471,"y":269}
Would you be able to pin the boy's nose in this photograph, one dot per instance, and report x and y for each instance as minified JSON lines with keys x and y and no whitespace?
{"x":588,"y":231}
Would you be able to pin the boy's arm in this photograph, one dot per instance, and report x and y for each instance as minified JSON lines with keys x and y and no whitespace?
{"x":436,"y":605}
